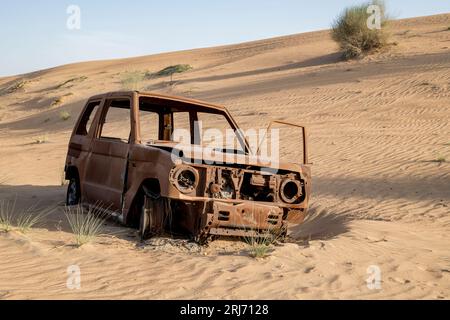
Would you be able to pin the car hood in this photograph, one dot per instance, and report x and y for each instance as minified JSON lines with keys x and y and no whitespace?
{"x":193,"y":154}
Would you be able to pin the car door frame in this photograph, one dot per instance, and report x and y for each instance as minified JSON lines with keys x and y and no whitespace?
{"x":101,"y":186}
{"x":304,"y":137}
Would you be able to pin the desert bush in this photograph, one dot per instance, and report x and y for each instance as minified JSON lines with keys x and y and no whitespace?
{"x":131,"y":80}
{"x":86,"y":226}
{"x":354,"y":37}
{"x":179,"y":68}
{"x":64,"y":115}
{"x":171,"y":70}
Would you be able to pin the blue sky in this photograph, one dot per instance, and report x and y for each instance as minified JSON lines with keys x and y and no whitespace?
{"x":34,"y":33}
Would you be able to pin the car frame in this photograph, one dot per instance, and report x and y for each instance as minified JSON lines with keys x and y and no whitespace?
{"x":143,"y":185}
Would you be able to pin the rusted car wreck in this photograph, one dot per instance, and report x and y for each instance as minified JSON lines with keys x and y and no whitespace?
{"x":124,"y":156}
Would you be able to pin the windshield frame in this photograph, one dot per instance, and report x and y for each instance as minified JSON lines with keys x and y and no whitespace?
{"x":166,"y":107}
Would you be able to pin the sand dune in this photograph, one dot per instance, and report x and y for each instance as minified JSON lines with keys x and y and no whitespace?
{"x":377,"y":127}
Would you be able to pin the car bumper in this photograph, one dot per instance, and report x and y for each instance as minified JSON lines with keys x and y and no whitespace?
{"x":242,"y":219}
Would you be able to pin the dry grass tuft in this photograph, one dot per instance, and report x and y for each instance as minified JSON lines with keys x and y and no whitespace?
{"x":6,"y":215}
{"x":23,"y":220}
{"x":31,"y":217}
{"x":87,"y":224}
{"x":261,"y":243}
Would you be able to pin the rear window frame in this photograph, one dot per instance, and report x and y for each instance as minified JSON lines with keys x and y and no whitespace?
{"x":88,"y":115}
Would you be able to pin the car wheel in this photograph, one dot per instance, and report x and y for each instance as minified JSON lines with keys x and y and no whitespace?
{"x":73,"y":193}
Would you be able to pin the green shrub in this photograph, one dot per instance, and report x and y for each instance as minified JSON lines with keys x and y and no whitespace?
{"x":354,"y":37}
{"x":170,"y":71}
{"x":179,"y":68}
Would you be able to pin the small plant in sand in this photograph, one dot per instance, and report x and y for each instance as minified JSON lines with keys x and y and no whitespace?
{"x":258,"y":248}
{"x":87,"y":224}
{"x":132,"y":80}
{"x":261,"y":245}
{"x":351,"y":32}
{"x":171,"y":70}
{"x":64,"y":115}
{"x":6,"y":215}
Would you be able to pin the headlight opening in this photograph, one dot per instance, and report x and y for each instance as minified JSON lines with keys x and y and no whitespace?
{"x":290,"y":191}
{"x":185,"y":179}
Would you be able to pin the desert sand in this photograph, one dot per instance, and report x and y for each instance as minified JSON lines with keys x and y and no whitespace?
{"x":377,"y":127}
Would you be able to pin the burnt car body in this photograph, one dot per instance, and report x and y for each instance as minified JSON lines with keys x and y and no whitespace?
{"x":121,"y":157}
